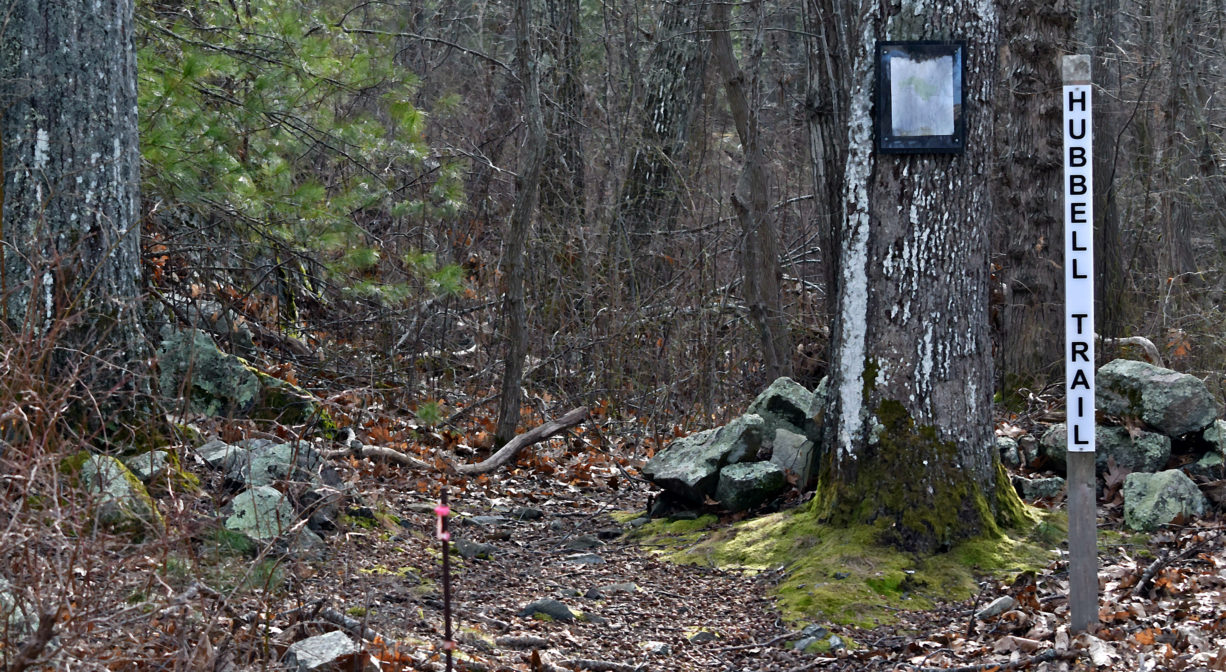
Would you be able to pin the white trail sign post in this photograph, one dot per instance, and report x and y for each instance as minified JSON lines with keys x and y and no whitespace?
{"x":1079,"y":341}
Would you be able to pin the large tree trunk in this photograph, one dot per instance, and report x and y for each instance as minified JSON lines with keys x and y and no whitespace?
{"x":1028,"y":285}
{"x":760,"y":257}
{"x":513,"y":310}
{"x":673,"y":91}
{"x":910,"y":442}
{"x":71,"y":232}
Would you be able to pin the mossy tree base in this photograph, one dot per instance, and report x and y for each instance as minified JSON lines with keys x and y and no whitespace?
{"x":914,"y":488}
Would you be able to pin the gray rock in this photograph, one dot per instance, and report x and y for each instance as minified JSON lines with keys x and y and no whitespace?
{"x":996,"y":607}
{"x":527,"y":513}
{"x":702,"y":637}
{"x":689,"y":467}
{"x":1171,"y":402}
{"x":836,"y":643}
{"x":746,"y":485}
{"x":551,"y":608}
{"x":584,"y":559}
{"x":221,"y":455}
{"x":211,"y":381}
{"x":17,"y":617}
{"x":583,"y":542}
{"x":1149,"y":452}
{"x":1153,"y":500}
{"x":331,"y":651}
{"x":470,"y":549}
{"x":1211,"y":466}
{"x":621,"y":588}
{"x":262,"y":513}
{"x":483,"y":521}
{"x":1039,"y":488}
{"x":656,"y":648}
{"x":150,"y":466}
{"x":121,"y":498}
{"x":797,"y":456}
{"x":1010,"y":453}
{"x":1215,"y":436}
{"x":785,"y":404}
{"x":271,"y":462}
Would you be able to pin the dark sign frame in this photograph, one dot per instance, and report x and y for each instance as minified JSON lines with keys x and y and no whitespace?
{"x":909,"y":121}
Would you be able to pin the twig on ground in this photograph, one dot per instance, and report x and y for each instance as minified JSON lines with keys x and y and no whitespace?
{"x":1156,"y":566}
{"x":512,"y":448}
{"x":1044,"y":657}
{"x":380,"y":453}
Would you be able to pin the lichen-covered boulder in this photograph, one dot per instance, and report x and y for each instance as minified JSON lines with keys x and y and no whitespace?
{"x":213,"y":382}
{"x":121,"y":500}
{"x":1173,"y":403}
{"x":149,"y":466}
{"x":786,"y":404}
{"x":689,"y":467}
{"x":331,"y":652}
{"x":1010,"y":453}
{"x":1215,"y":436}
{"x":748,"y":484}
{"x":1148,"y":452}
{"x":1039,"y":488}
{"x":255,"y":462}
{"x":797,"y":456}
{"x":262,"y":513}
{"x":210,"y":381}
{"x":1153,"y":500}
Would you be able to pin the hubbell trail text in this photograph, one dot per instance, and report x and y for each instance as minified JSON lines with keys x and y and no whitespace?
{"x":1078,"y":255}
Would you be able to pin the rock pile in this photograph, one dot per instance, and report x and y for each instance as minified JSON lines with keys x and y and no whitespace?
{"x":751,"y":459}
{"x":1153,"y":409}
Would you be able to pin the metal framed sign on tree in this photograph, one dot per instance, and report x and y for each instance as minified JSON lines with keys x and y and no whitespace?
{"x":908,"y":421}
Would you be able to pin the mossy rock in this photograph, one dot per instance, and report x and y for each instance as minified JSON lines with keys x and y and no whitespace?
{"x":119,"y":499}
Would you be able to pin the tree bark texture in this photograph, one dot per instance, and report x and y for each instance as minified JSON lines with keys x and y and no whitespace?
{"x":513,"y":310}
{"x":1028,"y":233}
{"x":826,"y":101}
{"x":760,"y":252}
{"x":672,"y":97}
{"x":71,"y":230}
{"x":909,"y":422}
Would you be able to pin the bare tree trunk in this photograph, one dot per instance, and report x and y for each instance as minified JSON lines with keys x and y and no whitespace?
{"x":760,"y":258}
{"x":649,"y":197}
{"x":71,"y":230}
{"x":826,"y":102}
{"x":521,"y":224}
{"x":909,"y":422}
{"x":1028,"y":280}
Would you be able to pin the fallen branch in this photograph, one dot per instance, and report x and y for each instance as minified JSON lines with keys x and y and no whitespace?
{"x":1158,"y":565}
{"x":534,"y":435}
{"x":379,"y":453}
{"x":1047,"y":656}
{"x":600,"y":666}
{"x":1148,"y":350}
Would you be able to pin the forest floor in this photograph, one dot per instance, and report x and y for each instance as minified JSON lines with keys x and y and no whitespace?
{"x":554,"y":524}
{"x":1162,"y":605}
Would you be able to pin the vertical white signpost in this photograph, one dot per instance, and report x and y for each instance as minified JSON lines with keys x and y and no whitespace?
{"x":1079,"y":341}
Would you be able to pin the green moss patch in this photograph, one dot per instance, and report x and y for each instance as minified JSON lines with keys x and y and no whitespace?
{"x":843,"y":574}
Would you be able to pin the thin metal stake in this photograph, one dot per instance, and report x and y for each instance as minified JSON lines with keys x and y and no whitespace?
{"x":442,"y":511}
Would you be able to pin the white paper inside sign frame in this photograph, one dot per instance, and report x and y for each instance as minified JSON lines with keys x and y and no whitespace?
{"x":920,"y":91}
